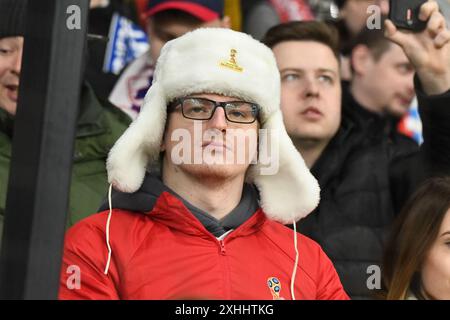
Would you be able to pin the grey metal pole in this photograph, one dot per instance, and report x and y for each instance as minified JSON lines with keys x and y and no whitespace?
{"x":42,"y":152}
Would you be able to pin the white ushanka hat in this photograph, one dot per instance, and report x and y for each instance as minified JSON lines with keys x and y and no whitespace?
{"x":230,"y":63}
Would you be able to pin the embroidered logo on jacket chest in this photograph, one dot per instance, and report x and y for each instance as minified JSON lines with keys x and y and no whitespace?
{"x":275,"y":288}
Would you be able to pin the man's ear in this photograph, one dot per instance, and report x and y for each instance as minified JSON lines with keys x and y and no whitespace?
{"x":361,"y":58}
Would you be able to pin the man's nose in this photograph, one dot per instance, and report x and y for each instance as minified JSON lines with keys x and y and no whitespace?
{"x":410,"y":85}
{"x":218,"y":120}
{"x":311,"y":88}
{"x":17,"y":63}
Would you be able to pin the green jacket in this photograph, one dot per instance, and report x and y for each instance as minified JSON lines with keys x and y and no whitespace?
{"x":99,"y":126}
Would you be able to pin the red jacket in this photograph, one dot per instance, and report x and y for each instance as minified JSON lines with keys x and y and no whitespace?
{"x":168,"y":254}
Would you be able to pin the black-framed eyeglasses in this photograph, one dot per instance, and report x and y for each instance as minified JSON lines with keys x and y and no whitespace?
{"x":203,"y":109}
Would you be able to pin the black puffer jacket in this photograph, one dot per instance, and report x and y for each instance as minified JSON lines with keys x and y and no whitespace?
{"x":365,"y":177}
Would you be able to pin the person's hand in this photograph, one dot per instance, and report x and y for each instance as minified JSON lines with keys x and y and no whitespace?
{"x":429,"y":50}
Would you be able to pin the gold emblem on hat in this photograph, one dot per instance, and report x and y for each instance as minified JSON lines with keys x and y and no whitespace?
{"x":232,"y":64}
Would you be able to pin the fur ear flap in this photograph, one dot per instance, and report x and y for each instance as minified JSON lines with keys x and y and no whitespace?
{"x":281,"y":170}
{"x":128,"y":159}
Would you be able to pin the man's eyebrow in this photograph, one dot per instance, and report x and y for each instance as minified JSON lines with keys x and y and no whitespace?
{"x":405,"y":64}
{"x":320,"y":70}
{"x":445,"y":233}
{"x":328,"y":70}
{"x":291,"y":69}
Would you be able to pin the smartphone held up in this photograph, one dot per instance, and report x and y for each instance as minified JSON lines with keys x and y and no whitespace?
{"x":405,"y":14}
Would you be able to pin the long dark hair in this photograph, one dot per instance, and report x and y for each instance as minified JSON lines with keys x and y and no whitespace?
{"x":413,"y":234}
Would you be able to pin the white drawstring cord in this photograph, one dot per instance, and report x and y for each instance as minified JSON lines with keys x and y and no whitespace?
{"x":294,"y":272}
{"x":108,"y":221}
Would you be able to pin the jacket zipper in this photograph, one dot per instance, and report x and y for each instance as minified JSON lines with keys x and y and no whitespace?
{"x":226,"y":269}
{"x":222,"y":247}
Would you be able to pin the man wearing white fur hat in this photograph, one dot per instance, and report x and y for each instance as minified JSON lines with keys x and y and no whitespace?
{"x":198,"y":230}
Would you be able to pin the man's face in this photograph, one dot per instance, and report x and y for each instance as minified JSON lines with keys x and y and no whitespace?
{"x":98,"y":3}
{"x":10,"y":61}
{"x":310,"y":89}
{"x":162,"y":33}
{"x":388,"y":82}
{"x":223,"y":149}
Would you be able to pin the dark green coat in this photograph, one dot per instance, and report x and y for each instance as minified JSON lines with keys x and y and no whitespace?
{"x":99,"y":126}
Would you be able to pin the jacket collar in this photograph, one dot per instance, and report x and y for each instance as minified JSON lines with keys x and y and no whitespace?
{"x":244,"y":210}
{"x":172,"y":212}
{"x":160,"y":202}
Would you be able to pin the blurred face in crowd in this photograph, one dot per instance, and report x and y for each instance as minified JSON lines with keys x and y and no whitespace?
{"x":384,"y":84}
{"x":310,"y":90}
{"x":436,"y":268}
{"x":167,"y":29}
{"x":354,"y":13}
{"x":212,"y":140}
{"x":98,"y":3}
{"x":10,"y":63}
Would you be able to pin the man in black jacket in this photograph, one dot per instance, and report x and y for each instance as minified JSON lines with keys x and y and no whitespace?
{"x":364,"y":180}
{"x":380,"y":105}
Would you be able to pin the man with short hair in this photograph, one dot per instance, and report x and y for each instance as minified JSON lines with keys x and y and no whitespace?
{"x":308,"y":59}
{"x":374,"y":57}
{"x":364,"y":180}
{"x":380,"y":104}
{"x":198,"y":230}
{"x":353,"y":17}
{"x":166,"y":20}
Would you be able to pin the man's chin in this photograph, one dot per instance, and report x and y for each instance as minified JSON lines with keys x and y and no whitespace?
{"x":309,"y":137}
{"x":214,"y":171}
{"x":9,"y":107}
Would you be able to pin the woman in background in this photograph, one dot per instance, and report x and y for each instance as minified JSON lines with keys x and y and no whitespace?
{"x":417,"y":256}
